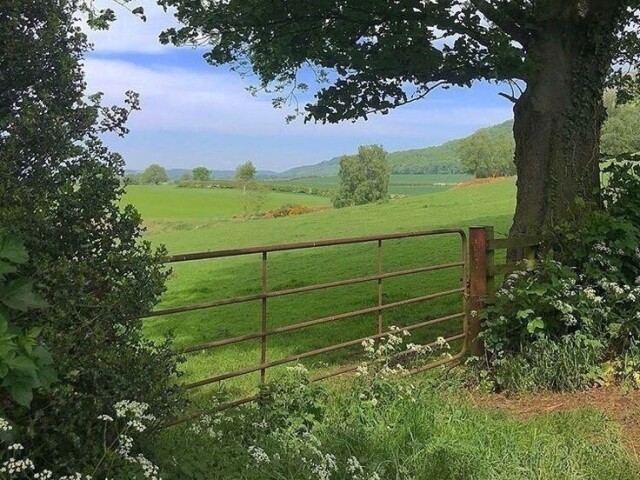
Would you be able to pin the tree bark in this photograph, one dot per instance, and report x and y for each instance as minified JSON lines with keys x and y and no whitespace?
{"x":558,"y":118}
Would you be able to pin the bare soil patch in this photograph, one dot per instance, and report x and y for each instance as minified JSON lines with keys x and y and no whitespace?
{"x":479,"y":181}
{"x":620,"y":406}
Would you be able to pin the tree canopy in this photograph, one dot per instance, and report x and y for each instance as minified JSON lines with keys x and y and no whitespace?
{"x":364,"y":178}
{"x":246,"y":172}
{"x":486,"y":155}
{"x":364,"y":56}
{"x":154,"y":174}
{"x":201,"y":174}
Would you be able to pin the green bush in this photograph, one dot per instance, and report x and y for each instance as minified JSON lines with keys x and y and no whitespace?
{"x":25,"y":365}
{"x":60,"y":191}
{"x":555,"y":327}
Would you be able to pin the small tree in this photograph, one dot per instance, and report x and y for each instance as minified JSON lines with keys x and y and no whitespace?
{"x":154,"y":174}
{"x":364,"y":178}
{"x":485,"y":155}
{"x":245,"y":176}
{"x":201,"y":174}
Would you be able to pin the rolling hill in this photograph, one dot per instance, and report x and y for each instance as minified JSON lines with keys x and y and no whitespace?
{"x":439,"y":159}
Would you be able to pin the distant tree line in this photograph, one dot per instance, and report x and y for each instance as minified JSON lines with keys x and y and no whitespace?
{"x":488,"y":154}
{"x":156,"y":174}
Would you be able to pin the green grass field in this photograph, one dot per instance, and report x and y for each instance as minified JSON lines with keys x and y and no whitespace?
{"x":168,"y":202}
{"x":205,"y":228}
{"x":440,"y":436}
{"x":409,"y":185}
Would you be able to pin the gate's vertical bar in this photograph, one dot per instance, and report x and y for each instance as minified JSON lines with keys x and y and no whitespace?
{"x":263,"y":353}
{"x":380,"y":272}
{"x":479,"y":283}
{"x":464,"y":254}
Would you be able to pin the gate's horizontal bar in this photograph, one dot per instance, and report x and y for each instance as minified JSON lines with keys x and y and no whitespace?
{"x":292,"y":291}
{"x":222,"y":406}
{"x":304,"y":245}
{"x":516,"y":242}
{"x":319,"y":321}
{"x":319,"y":351}
{"x":340,"y":371}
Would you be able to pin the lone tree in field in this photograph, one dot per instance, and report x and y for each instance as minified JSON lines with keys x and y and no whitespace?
{"x":154,"y":174}
{"x":485,"y":155}
{"x":364,"y":178}
{"x":245,"y":176}
{"x":201,"y":174}
{"x":374,"y":55}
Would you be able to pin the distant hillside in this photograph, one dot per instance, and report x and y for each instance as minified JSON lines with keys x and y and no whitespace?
{"x":328,"y":168}
{"x":440,"y":159}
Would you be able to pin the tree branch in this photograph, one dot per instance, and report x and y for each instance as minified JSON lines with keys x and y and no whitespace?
{"x":502,"y":21}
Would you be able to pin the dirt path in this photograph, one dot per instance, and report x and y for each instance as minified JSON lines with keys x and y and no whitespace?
{"x":622,"y":407}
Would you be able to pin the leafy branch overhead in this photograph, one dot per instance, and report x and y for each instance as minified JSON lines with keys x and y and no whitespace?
{"x":374,"y":55}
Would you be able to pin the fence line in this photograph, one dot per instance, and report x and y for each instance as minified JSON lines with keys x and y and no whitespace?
{"x":479,"y":272}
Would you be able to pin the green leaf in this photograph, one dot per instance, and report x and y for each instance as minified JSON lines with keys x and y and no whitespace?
{"x":523,"y":314}
{"x":19,"y":295}
{"x":13,"y":250}
{"x":6,"y":268}
{"x":22,"y":393}
{"x":535,"y":325}
{"x":539,"y":290}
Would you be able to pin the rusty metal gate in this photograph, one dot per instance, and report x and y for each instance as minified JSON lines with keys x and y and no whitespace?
{"x":264,"y":330}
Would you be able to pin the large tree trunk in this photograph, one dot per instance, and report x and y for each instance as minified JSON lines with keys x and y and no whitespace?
{"x":559,"y":116}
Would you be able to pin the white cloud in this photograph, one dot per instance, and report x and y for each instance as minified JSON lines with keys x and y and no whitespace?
{"x":186,"y":100}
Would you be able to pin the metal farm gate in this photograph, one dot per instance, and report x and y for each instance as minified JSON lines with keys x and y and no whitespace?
{"x":472,"y":292}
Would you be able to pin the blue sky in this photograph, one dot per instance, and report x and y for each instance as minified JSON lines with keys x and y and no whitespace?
{"x":194,"y":114}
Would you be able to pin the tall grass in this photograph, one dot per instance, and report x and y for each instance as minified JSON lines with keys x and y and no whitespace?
{"x":431,"y":437}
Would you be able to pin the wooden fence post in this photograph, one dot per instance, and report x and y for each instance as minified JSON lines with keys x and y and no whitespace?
{"x":480,"y":283}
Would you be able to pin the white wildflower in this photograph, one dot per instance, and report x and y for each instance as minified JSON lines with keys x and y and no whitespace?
{"x":258,"y":454}
{"x":4,"y":425}
{"x":299,"y":368}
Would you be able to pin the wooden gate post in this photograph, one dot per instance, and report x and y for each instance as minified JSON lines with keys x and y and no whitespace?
{"x":480,"y":284}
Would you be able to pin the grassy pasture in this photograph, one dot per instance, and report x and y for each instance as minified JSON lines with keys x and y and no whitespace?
{"x":168,"y":202}
{"x":409,"y":185}
{"x":439,"y":436}
{"x":200,"y":281}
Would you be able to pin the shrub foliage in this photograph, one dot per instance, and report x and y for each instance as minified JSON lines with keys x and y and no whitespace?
{"x":566,"y":324}
{"x":60,"y":189}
